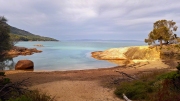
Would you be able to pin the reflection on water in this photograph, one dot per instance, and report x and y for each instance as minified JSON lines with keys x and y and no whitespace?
{"x":9,"y":64}
{"x":6,"y":63}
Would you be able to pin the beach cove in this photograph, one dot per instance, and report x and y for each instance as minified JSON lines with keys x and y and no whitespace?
{"x":70,"y":55}
{"x":79,"y":85}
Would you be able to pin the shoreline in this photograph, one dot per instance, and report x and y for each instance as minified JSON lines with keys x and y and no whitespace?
{"x":91,"y":69}
{"x":102,"y":68}
{"x":81,"y":85}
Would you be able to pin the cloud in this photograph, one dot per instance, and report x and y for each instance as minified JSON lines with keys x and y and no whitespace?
{"x":89,"y":18}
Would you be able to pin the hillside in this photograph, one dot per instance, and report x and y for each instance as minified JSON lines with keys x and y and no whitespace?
{"x":22,"y":35}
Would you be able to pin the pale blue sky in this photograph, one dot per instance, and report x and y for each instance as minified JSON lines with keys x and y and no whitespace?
{"x":89,"y":19}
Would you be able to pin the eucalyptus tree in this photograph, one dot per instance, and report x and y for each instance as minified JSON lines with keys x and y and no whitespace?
{"x":163,"y":30}
{"x":5,"y":43}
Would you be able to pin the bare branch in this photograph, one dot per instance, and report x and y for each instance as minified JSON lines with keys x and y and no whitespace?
{"x":126,"y":75}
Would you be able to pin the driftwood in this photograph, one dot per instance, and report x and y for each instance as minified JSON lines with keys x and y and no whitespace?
{"x":126,"y":98}
{"x":124,"y":74}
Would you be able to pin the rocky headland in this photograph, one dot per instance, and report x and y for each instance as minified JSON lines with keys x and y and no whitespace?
{"x":132,"y":53}
{"x":128,"y":55}
{"x":139,"y":54}
{"x":16,"y":51}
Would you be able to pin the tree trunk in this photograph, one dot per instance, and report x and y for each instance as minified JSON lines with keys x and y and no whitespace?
{"x":160,"y":43}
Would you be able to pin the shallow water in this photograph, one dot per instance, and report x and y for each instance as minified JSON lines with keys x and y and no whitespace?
{"x":71,"y":55}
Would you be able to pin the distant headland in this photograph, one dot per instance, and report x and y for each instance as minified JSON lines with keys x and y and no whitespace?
{"x":22,"y":35}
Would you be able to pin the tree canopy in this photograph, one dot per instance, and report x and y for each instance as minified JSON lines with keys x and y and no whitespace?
{"x":5,"y":43}
{"x":163,"y":30}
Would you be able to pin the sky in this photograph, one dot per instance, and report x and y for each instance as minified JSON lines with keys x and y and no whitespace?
{"x":90,"y":19}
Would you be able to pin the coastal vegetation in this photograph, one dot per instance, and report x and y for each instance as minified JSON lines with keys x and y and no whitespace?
{"x":163,"y":30}
{"x":157,"y":85}
{"x":5,"y":43}
{"x":18,"y":91}
{"x":153,"y":86}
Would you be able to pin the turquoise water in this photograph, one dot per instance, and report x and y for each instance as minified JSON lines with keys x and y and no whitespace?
{"x":71,"y":55}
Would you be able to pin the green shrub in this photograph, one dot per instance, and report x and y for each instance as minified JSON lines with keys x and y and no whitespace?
{"x":5,"y":81}
{"x":2,"y":73}
{"x":21,"y":98}
{"x":17,"y":91}
{"x":134,"y":90}
{"x":170,"y":75}
{"x":35,"y":95}
{"x":166,"y":92}
{"x":155,"y":86}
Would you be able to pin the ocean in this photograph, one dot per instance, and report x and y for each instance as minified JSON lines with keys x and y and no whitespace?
{"x":70,"y":55}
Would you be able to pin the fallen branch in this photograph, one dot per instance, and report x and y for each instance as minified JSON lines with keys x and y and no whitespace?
{"x":126,"y":75}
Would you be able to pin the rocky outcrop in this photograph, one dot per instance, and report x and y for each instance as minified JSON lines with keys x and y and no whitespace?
{"x":39,"y":45}
{"x":15,"y":51}
{"x":128,"y":54}
{"x":24,"y":64}
{"x":114,"y":53}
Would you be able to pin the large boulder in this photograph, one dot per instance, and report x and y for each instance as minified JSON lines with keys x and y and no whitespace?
{"x":24,"y":64}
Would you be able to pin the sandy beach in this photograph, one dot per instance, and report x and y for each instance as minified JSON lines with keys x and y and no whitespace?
{"x":82,"y":85}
